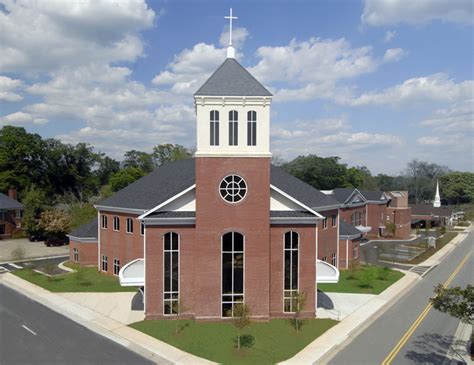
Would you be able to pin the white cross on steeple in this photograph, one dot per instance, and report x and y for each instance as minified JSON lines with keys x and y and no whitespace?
{"x":230,"y":17}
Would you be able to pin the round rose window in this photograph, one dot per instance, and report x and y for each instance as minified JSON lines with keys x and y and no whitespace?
{"x":233,"y":188}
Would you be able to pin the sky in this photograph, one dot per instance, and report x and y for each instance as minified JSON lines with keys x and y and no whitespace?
{"x":375,"y":82}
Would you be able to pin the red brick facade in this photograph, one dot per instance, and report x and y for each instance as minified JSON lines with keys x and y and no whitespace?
{"x":375,"y":219}
{"x":327,"y":237}
{"x":10,"y":223}
{"x":349,"y":252}
{"x":86,"y":252}
{"x":119,"y":244}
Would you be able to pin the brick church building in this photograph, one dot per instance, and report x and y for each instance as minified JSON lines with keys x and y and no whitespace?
{"x":223,"y":227}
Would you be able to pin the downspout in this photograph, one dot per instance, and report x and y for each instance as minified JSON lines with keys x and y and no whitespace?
{"x":347,"y":253}
{"x":98,"y":240}
{"x":316,"y":286}
{"x":337,"y":240}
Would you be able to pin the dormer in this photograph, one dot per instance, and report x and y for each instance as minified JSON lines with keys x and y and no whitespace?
{"x":233,"y":114}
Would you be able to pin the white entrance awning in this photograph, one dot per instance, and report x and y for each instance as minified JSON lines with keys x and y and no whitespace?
{"x":364,"y":229}
{"x":326,"y":273}
{"x":133,"y":273}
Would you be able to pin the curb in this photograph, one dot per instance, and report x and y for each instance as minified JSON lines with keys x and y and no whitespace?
{"x":34,"y":259}
{"x":149,"y":347}
{"x":320,"y":352}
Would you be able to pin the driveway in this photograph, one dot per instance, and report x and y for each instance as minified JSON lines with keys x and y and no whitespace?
{"x":30,"y":249}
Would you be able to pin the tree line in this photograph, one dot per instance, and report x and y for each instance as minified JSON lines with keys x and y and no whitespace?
{"x":49,"y":173}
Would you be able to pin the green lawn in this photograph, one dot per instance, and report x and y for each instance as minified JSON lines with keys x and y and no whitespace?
{"x":87,"y":279}
{"x":365,"y":280}
{"x":268,"y":342}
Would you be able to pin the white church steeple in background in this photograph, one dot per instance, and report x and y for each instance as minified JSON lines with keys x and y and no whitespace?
{"x":437,"y":201}
{"x":230,"y":49}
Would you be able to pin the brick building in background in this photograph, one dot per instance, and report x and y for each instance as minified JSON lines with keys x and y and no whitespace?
{"x":11,"y":213}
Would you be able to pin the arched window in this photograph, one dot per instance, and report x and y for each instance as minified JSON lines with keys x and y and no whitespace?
{"x":252,"y":128}
{"x":214,"y":128}
{"x":233,"y":128}
{"x":171,"y":273}
{"x":291,"y":253}
{"x":232,"y":272}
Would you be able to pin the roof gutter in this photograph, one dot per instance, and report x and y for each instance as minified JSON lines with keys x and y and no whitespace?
{"x":119,"y":209}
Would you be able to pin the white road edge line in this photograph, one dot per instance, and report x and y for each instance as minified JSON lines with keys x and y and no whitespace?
{"x":15,"y":265}
{"x":29,"y":330}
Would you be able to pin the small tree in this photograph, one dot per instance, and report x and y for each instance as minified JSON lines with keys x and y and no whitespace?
{"x":390,"y":228}
{"x":299,"y":302}
{"x":49,"y":270}
{"x":55,"y":222}
{"x":457,"y":302}
{"x":179,"y":308}
{"x":241,"y":319}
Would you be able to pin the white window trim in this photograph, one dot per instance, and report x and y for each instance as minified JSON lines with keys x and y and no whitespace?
{"x":325,"y":223}
{"x":142,"y":229}
{"x":243,"y":276}
{"x":102,"y":216}
{"x":115,"y":264}
{"x":334,"y":219}
{"x":244,"y":195}
{"x":126,"y":225}
{"x":75,"y":254}
{"x":171,"y":265}
{"x":116,"y":218}
{"x":106,"y":261}
{"x":291,"y":266}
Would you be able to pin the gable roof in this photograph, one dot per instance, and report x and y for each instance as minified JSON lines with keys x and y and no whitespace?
{"x":155,"y":188}
{"x":232,"y":79}
{"x":428,"y":209}
{"x":342,"y":194}
{"x":376,"y":195}
{"x":8,"y":203}
{"x":171,"y":179}
{"x":88,"y":230}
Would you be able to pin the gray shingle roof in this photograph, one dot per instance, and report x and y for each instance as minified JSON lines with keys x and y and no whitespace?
{"x":170,"y":179}
{"x":290,"y":214}
{"x":88,"y":230}
{"x":155,"y":188}
{"x":342,"y":194}
{"x":231,"y":79}
{"x":179,"y":214}
{"x":372,"y":195}
{"x":346,"y":230}
{"x":8,"y":203}
{"x":428,"y":209}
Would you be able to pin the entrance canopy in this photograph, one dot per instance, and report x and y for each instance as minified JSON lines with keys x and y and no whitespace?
{"x":326,"y":273}
{"x":364,"y":229}
{"x":133,"y":273}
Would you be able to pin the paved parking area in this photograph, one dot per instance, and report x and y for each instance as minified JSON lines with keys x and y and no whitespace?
{"x":31,"y":249}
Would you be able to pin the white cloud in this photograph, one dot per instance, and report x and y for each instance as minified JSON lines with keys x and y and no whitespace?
{"x":239,"y":35}
{"x":458,"y":117}
{"x":42,"y":36}
{"x":8,"y":89}
{"x":435,"y":88}
{"x":21,"y":118}
{"x":389,"y":35}
{"x":390,"y":12}
{"x":394,"y":55}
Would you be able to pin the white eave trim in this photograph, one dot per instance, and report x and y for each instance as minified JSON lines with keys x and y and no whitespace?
{"x":305,"y":207}
{"x":350,"y":237}
{"x":327,"y":207}
{"x":293,"y":220}
{"x":119,"y":209}
{"x":83,"y":239}
{"x":169,"y":221}
{"x":167,"y":201}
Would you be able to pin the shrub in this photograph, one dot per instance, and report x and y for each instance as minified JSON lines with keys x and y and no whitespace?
{"x":18,"y":253}
{"x":383,"y":273}
{"x":366,"y":276}
{"x":442,"y":230}
{"x":49,"y":270}
{"x":19,"y":234}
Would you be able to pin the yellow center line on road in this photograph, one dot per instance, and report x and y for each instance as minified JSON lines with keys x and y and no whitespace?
{"x":420,"y":318}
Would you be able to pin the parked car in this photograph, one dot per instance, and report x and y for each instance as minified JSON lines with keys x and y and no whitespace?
{"x":35,"y":237}
{"x":56,"y":241}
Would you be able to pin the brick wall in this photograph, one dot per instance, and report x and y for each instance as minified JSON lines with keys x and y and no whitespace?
{"x":327,"y":238}
{"x":87,"y":252}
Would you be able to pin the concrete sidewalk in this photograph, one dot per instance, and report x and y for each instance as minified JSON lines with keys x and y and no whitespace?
{"x":147,"y":346}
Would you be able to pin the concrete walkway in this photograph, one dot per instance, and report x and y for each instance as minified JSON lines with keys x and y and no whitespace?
{"x":147,"y":346}
{"x":340,"y":305}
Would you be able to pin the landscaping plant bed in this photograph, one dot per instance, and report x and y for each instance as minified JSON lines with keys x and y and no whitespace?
{"x":262,"y":342}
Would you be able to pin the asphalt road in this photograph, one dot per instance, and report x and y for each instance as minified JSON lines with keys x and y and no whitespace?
{"x":432,"y":339}
{"x":30,"y":333}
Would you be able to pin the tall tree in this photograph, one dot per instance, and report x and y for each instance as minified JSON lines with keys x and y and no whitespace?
{"x":422,"y":178}
{"x":21,"y":158}
{"x":139,"y":159}
{"x":34,"y":203}
{"x":165,"y":153}
{"x":107,"y":167}
{"x":124,"y":177}
{"x":457,"y":302}
{"x":457,"y":187}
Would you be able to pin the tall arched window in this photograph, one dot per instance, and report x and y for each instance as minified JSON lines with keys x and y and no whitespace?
{"x":214,"y":127}
{"x":291,"y":253}
{"x":251,"y":128}
{"x":170,"y":273}
{"x":232,"y":272}
{"x":233,"y":128}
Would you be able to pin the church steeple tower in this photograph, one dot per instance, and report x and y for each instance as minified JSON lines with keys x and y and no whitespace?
{"x":437,"y":201}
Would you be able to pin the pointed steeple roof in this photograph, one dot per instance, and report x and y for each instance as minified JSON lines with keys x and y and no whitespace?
{"x":232,"y":79}
{"x":437,"y":201}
